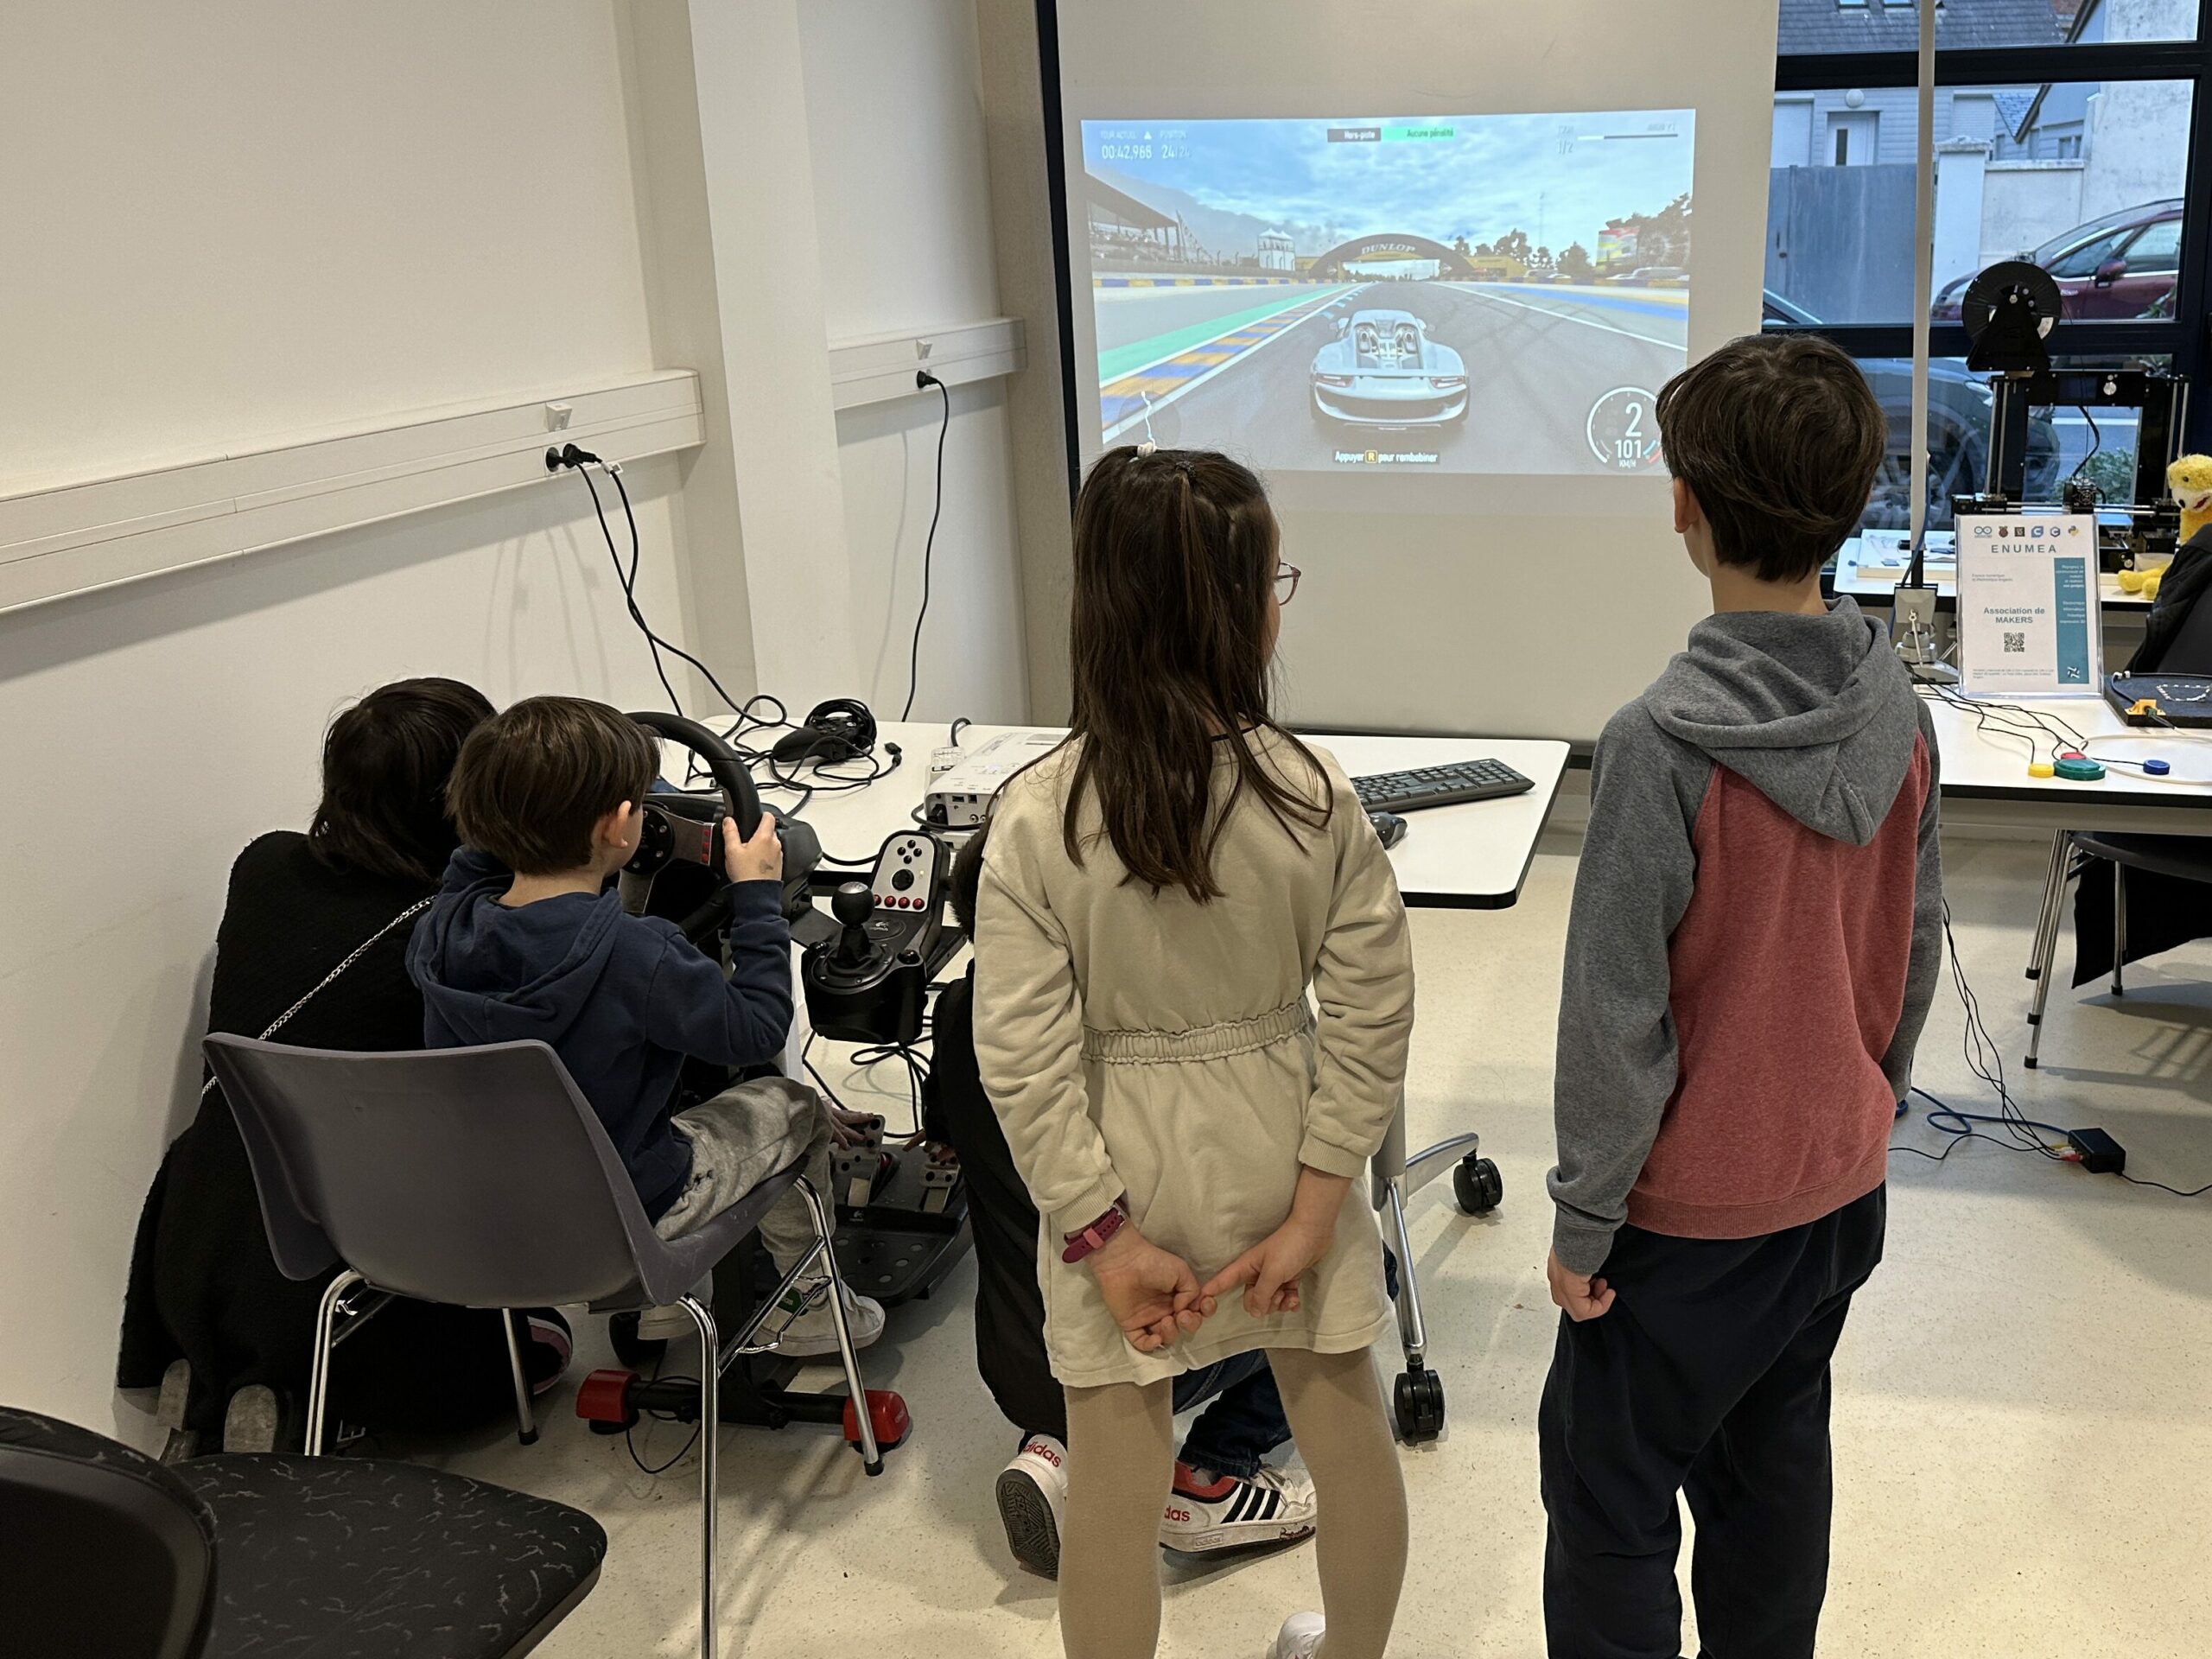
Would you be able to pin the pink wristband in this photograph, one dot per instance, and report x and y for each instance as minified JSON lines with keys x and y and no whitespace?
{"x":1090,"y":1238}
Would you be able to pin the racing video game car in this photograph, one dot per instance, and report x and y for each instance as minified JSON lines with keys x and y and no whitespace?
{"x":1382,"y":370}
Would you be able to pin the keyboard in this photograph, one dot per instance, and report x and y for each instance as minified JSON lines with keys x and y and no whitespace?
{"x":1446,"y":785}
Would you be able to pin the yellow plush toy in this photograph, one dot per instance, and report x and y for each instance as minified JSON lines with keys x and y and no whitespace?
{"x":2190,"y":479}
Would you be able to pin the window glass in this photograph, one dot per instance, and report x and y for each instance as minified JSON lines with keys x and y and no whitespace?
{"x":2084,"y":257}
{"x":2069,"y":175}
{"x":2157,"y":248}
{"x":1814,"y":26}
{"x":2098,"y":443}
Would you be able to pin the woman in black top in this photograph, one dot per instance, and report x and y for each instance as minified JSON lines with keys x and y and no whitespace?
{"x":203,"y":1287}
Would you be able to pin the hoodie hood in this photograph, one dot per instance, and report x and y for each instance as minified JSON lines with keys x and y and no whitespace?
{"x":1814,"y":711}
{"x":480,"y":967}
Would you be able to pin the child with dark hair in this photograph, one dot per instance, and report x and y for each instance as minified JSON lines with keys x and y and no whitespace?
{"x":206,"y":1315}
{"x":1223,"y":1499}
{"x":1160,"y":896}
{"x":1754,"y":942}
{"x":527,"y":940}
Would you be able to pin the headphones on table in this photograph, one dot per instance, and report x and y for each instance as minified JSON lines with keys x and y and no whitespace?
{"x":840,"y":729}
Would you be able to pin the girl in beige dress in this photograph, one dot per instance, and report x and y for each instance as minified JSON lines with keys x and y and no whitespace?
{"x":1160,"y":896}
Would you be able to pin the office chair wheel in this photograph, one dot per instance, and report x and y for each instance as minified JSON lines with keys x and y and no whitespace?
{"x":1477,"y":1184}
{"x":1420,"y":1405}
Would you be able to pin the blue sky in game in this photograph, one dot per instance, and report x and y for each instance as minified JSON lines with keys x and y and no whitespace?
{"x":1558,"y":177}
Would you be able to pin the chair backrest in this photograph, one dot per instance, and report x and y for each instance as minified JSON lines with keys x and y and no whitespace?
{"x":475,"y":1176}
{"x":107,"y":1552}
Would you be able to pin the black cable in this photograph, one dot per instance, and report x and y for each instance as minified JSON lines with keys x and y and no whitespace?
{"x":2033,"y":726}
{"x":929,"y":548}
{"x":630,"y":1445}
{"x":735,"y":707}
{"x":2137,"y":1180}
{"x":629,"y":580}
{"x":2097,"y":441}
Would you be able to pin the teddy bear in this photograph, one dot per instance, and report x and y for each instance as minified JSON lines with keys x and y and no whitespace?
{"x":2191,"y":481}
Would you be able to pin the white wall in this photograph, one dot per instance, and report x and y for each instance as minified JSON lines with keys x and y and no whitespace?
{"x":902,"y":200}
{"x":247,"y":218}
{"x":240,"y":218}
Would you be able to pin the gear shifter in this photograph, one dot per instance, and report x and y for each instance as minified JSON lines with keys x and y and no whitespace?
{"x":853,"y":904}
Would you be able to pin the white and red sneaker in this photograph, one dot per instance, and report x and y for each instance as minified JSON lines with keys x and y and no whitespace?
{"x":1301,"y":1637}
{"x":1033,"y":1494}
{"x":1208,"y":1513}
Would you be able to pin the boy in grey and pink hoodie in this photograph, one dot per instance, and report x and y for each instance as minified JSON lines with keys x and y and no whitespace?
{"x":1755,"y":937}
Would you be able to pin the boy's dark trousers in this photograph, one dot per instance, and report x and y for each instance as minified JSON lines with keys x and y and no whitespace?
{"x":1708,"y":1376}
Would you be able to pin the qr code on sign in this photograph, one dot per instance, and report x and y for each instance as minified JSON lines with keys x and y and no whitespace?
{"x":2015,"y":644}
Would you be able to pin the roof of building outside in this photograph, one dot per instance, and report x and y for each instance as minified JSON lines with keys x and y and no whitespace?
{"x":1809,"y":25}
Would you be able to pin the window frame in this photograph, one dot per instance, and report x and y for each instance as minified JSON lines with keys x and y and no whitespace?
{"x":2187,"y":336}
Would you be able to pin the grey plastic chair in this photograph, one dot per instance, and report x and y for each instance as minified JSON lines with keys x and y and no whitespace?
{"x":481,"y":1177}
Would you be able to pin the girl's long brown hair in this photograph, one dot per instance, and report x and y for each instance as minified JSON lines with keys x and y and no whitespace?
{"x":1175,"y":555}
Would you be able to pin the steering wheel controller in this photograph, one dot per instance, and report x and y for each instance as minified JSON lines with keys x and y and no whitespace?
{"x":866,"y":975}
{"x":683,"y":829}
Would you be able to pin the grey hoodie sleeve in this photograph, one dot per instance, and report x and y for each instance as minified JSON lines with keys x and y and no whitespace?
{"x":1616,"y":1054}
{"x":1926,"y":965}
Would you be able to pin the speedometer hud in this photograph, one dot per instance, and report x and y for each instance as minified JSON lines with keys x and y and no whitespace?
{"x":1494,"y":294}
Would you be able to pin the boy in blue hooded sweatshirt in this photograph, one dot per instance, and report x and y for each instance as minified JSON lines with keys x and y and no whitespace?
{"x":527,"y":940}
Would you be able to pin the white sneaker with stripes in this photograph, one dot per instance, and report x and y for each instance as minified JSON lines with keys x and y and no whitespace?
{"x":1208,"y":1513}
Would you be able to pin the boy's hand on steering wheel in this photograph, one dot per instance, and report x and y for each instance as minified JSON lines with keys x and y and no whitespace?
{"x":1153,"y":1294}
{"x":760,"y":858}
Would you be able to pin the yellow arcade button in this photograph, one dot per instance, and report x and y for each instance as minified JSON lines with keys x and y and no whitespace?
{"x":2043,"y":769}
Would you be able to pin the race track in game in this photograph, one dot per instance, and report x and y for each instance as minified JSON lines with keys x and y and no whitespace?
{"x":1230,"y":367}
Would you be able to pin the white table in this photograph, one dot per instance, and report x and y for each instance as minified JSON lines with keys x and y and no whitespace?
{"x":1472,"y":856}
{"x":1985,"y":782}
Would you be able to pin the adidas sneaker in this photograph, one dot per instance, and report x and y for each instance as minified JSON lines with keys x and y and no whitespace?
{"x":1033,"y":1494}
{"x":1207,"y":1513}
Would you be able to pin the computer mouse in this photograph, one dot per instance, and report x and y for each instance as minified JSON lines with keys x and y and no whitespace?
{"x":1389,"y":828}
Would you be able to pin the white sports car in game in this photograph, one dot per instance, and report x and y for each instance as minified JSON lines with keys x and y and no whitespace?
{"x":1382,"y":370}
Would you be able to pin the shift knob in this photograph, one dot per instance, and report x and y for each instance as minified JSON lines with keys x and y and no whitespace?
{"x":853,"y":904}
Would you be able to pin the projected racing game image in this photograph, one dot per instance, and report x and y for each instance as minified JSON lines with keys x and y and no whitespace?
{"x":1494,"y":294}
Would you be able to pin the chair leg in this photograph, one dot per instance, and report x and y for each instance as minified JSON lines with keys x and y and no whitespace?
{"x":2054,"y":892}
{"x":2119,"y":926}
{"x":525,"y":1419}
{"x":710,"y":1417}
{"x":825,"y":1228}
{"x":2048,"y":951}
{"x":326,"y":1321}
